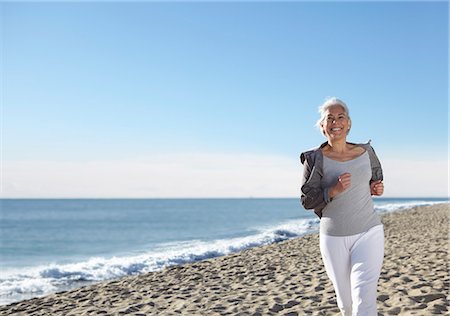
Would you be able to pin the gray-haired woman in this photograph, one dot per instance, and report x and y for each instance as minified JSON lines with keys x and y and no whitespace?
{"x":338,"y":182}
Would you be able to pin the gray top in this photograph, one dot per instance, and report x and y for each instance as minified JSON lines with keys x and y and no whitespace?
{"x":313,"y":195}
{"x":350,"y":212}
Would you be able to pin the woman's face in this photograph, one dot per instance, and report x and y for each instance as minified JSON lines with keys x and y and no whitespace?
{"x":336,"y":123}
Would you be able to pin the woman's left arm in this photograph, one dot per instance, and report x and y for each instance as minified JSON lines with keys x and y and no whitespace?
{"x":376,"y":183}
{"x":377,"y":188}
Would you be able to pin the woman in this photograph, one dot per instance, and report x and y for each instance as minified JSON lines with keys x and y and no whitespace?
{"x":338,"y":182}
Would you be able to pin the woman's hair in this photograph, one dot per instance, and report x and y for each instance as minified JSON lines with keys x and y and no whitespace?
{"x":330,"y":102}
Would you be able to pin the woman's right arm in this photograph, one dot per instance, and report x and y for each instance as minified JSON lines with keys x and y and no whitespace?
{"x":312,"y":195}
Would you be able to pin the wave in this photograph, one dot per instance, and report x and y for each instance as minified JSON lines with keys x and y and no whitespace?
{"x":24,"y":283}
{"x":385,"y":207}
{"x":18,"y":284}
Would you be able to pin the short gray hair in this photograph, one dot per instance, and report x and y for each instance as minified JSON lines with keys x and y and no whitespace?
{"x":330,"y":102}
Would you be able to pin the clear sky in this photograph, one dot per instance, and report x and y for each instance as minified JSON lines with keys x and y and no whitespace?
{"x":201,"y":99}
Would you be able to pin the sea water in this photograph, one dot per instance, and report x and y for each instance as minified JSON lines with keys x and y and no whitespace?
{"x":50,"y":245}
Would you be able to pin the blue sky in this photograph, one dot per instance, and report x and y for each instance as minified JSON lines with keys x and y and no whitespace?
{"x":216,"y":90}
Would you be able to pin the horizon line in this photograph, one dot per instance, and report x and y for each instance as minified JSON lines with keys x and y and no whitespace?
{"x":199,"y":198}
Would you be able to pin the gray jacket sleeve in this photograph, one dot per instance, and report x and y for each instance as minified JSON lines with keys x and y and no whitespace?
{"x":312,"y":195}
{"x":377,"y":171}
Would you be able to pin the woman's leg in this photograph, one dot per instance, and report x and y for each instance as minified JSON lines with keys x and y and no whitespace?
{"x":336,"y":258}
{"x":366,"y":261}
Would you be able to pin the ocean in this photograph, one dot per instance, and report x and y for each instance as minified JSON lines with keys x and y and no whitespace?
{"x":51,"y":245}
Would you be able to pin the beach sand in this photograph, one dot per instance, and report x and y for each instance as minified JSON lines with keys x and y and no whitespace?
{"x":286,"y":278}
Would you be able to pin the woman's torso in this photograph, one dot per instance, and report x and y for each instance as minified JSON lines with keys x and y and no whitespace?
{"x":350,"y":212}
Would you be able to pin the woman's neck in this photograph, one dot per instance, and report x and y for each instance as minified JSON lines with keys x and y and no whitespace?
{"x":338,"y":146}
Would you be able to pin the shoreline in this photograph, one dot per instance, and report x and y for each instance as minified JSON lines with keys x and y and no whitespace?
{"x":285,"y":278}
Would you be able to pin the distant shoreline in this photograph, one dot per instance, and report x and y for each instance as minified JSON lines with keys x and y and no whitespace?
{"x":203,"y":198}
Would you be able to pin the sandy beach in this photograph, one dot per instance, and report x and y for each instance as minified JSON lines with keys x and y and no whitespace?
{"x":286,"y":278}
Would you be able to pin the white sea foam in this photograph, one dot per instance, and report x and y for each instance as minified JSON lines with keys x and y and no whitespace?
{"x":397,"y":206}
{"x":17,"y":284}
{"x":22,"y":283}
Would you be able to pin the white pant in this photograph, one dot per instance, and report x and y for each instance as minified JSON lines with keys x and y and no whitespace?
{"x":353,"y":263}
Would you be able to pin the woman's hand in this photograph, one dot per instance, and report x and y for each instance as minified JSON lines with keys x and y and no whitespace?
{"x":343,"y":184}
{"x":377,"y":188}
